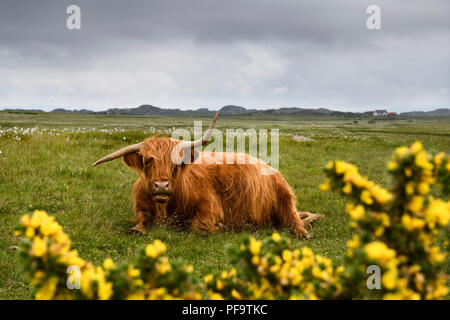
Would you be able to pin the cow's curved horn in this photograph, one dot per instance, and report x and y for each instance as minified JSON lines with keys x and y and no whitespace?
{"x":120,"y":153}
{"x":199,"y":142}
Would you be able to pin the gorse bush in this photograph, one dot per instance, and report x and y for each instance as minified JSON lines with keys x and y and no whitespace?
{"x":396,"y":230}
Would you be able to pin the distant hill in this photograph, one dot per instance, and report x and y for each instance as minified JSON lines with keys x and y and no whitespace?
{"x":229,"y":110}
{"x":434,"y":113}
{"x":232,"y":110}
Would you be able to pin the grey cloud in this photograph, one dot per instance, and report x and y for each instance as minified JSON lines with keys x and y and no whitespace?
{"x":256,"y":53}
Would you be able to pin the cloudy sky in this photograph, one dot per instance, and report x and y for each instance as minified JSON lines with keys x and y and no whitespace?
{"x":210,"y":53}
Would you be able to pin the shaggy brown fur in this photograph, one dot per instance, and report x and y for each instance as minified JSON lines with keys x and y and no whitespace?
{"x":206,"y":197}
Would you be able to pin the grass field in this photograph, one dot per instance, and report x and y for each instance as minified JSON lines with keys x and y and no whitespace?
{"x":45,"y":163}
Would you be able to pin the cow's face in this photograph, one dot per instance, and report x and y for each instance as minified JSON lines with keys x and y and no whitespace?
{"x":154,"y":164}
{"x":154,"y":160}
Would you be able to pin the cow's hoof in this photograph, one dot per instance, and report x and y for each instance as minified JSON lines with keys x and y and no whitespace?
{"x":137,"y":230}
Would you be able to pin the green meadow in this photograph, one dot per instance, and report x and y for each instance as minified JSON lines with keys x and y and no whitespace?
{"x":45,"y":163}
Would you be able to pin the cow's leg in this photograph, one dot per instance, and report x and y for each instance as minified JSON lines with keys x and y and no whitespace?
{"x":208,"y":218}
{"x":143,"y":220}
{"x":287,"y":215}
{"x":308,"y":217}
{"x":143,"y":211}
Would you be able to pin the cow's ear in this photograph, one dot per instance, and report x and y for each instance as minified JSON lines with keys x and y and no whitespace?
{"x":134,"y":161}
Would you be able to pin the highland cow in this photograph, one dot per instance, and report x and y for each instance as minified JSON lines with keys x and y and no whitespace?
{"x":209,"y":195}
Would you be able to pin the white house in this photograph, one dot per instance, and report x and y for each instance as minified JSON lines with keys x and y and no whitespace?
{"x":380,"y":113}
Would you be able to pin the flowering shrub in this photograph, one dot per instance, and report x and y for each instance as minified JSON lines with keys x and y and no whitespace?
{"x":395,"y":229}
{"x":46,"y":249}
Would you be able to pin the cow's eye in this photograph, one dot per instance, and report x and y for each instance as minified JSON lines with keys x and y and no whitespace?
{"x":174,"y":171}
{"x":148,"y":161}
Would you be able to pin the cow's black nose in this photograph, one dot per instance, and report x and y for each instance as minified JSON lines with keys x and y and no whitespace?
{"x":161,"y":186}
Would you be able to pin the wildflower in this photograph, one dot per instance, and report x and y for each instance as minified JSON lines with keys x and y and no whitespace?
{"x":401,"y":151}
{"x":47,"y":291}
{"x":392,"y":165}
{"x":208,"y":278}
{"x":287,"y":255}
{"x":276,"y":237}
{"x":39,"y":247}
{"x":378,"y":251}
{"x":435,"y":255}
{"x":150,"y":251}
{"x":408,"y":172}
{"x":366,"y":198}
{"x":423,"y":188}
{"x":235,"y":294}
{"x":357,"y":212}
{"x":415,"y":204}
{"x":29,"y":233}
{"x":108,"y":264}
{"x":254,"y":246}
{"x":325,"y":186}
{"x":437,"y":212}
{"x":416,"y":147}
{"x":133,"y":272}
{"x":347,"y":188}
{"x":412,"y":223}
{"x":354,"y":243}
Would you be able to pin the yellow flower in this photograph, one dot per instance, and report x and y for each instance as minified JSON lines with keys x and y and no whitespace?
{"x":108,"y":264}
{"x":423,"y":188}
{"x":415,"y":204}
{"x":379,"y":231}
{"x":389,"y":279}
{"x":385,"y":220}
{"x":438,"y":158}
{"x":232,"y":272}
{"x":347,"y":189}
{"x":254,"y":246}
{"x":354,"y":243}
{"x":220,"y":284}
{"x":340,"y":167}
{"x":366,"y":198}
{"x":104,"y":290}
{"x":39,"y":247}
{"x":29,"y":233}
{"x":357,"y":213}
{"x":401,"y":151}
{"x":47,"y":291}
{"x":379,"y":251}
{"x":381,"y":195}
{"x":422,"y":161}
{"x":133,"y":272}
{"x":329,"y":165}
{"x":160,"y":247}
{"x":208,"y":278}
{"x":437,"y":212}
{"x":408,"y":172}
{"x":392,"y":165}
{"x":416,"y":147}
{"x":412,"y":223}
{"x":26,"y":221}
{"x":325,"y":186}
{"x":150,"y":251}
{"x":409,"y":188}
{"x":189,"y":268}
{"x":435,"y":255}
{"x":235,"y":294}
{"x":287,"y":255}
{"x":255,"y":260}
{"x":276,"y":237}
{"x":215,"y":296}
